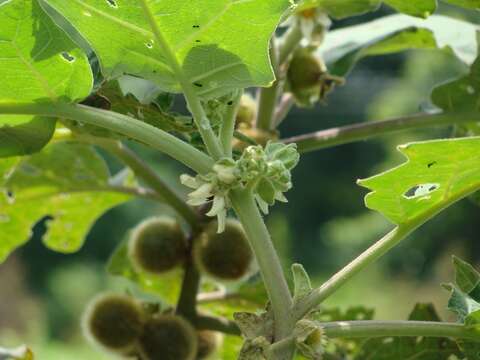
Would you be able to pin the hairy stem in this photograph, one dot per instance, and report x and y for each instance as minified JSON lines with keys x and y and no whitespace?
{"x":199,"y":116}
{"x":228,"y":125}
{"x":151,"y":178}
{"x":362,"y":131}
{"x":267,"y":258}
{"x":122,"y":124}
{"x":369,"y":329}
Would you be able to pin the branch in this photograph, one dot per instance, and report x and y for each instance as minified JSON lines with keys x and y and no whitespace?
{"x":122,"y":124}
{"x":356,"y":132}
{"x":187,"y":302}
{"x":151,"y":178}
{"x":227,"y":128}
{"x":217,"y":324}
{"x":371,"y":329}
{"x":267,"y":258}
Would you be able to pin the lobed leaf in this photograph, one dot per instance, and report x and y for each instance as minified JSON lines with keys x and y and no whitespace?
{"x":220,"y":44}
{"x":57,"y":184}
{"x":437,"y":174}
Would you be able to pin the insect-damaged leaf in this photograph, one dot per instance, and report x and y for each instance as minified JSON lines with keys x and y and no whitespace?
{"x":437,"y":174}
{"x":220,"y":44}
{"x":61,"y":182}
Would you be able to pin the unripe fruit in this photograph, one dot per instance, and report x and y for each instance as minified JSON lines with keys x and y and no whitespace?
{"x":168,"y":337}
{"x":208,"y":342}
{"x":305,"y":70}
{"x":224,"y":256}
{"x":157,"y":245}
{"x":247,"y":112}
{"x":114,"y":321}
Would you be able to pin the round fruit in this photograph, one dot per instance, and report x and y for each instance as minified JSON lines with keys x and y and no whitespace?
{"x":157,"y":245}
{"x":224,"y":256}
{"x":114,"y":322}
{"x":168,"y":337}
{"x":247,"y":112}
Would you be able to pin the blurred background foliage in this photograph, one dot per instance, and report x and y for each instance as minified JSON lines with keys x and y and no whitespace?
{"x":324,"y":225}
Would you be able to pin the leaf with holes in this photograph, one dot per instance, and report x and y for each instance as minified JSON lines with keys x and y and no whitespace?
{"x":437,"y":174}
{"x":38,"y":62}
{"x":344,"y":47}
{"x":220,"y":44}
{"x":59,"y":183}
{"x":344,"y":8}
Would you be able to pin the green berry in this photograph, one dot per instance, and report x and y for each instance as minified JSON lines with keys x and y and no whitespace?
{"x":157,"y":245}
{"x":168,"y":337}
{"x":247,"y":112}
{"x":114,"y":321}
{"x":224,"y":256}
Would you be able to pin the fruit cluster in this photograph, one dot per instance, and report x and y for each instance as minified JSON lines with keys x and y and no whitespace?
{"x":127,"y":327}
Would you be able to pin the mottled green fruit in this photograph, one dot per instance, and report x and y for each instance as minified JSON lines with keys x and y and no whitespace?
{"x":157,"y":245}
{"x":224,"y":256}
{"x":114,"y":321}
{"x":304,"y":71}
{"x":168,"y":337}
{"x":208,"y":342}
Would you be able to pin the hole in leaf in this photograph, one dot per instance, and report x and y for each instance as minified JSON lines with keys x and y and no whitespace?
{"x":149,"y":45}
{"x":66,"y":56}
{"x":198,"y":84}
{"x":112,"y":3}
{"x":429,"y":165}
{"x":420,"y":190}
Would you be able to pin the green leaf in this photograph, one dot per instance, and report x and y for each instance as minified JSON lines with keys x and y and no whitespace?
{"x":166,"y":286}
{"x":24,"y":135}
{"x":469,"y":4}
{"x":301,"y":282}
{"x":461,"y":303}
{"x":344,"y":47}
{"x":39,"y":61}
{"x":220,"y":44}
{"x":466,"y":277}
{"x":409,"y":348}
{"x":437,"y":174}
{"x":60,"y":183}
{"x":462,"y":94}
{"x":344,"y":8}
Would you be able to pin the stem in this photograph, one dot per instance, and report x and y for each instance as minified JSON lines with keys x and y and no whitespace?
{"x":351,"y":133}
{"x":151,"y":178}
{"x":228,"y":125}
{"x":289,"y":42}
{"x":199,"y":116}
{"x":369,"y":329}
{"x":187,"y":302}
{"x":369,"y":256}
{"x":122,"y":124}
{"x":286,"y":104}
{"x":217,"y":324}
{"x":267,"y":258}
{"x":267,"y":98}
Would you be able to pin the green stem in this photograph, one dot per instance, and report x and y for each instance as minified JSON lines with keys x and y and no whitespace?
{"x":199,"y":116}
{"x":267,"y":99}
{"x":351,"y":133}
{"x":289,"y":42}
{"x":267,"y":258}
{"x":371,"y":329}
{"x":228,"y":125}
{"x":369,"y":256}
{"x":151,"y":178}
{"x":122,"y":124}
